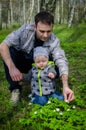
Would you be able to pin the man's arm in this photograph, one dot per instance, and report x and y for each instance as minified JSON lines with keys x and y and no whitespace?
{"x":67,"y":92}
{"x":61,"y":62}
{"x":15,"y":74}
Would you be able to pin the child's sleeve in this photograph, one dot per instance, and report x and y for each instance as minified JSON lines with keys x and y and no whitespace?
{"x":52,"y":70}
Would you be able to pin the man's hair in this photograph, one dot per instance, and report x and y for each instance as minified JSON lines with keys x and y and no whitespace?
{"x":45,"y":17}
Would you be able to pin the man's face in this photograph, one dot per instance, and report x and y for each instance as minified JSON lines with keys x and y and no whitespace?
{"x":43,"y":31}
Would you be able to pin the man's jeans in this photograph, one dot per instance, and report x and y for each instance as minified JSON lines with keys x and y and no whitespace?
{"x":42,"y":100}
{"x":22,"y":61}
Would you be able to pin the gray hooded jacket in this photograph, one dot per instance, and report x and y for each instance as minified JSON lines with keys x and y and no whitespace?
{"x":41,"y":84}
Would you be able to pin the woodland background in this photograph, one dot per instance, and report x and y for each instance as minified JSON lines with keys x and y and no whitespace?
{"x":14,"y":12}
{"x":70,"y":28}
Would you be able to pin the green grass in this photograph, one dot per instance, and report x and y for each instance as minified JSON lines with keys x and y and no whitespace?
{"x":73,"y":41}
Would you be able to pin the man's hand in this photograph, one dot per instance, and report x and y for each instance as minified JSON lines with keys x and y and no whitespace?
{"x":68,"y":94}
{"x":15,"y":74}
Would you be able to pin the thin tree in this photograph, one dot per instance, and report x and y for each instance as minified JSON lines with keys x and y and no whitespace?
{"x":57,"y":12}
{"x":62,"y":11}
{"x":11,"y":12}
{"x":71,"y":14}
{"x":38,"y":2}
{"x":0,"y":15}
{"x":24,"y":16}
{"x":31,"y":9}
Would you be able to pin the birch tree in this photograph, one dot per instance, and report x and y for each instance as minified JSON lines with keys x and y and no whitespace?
{"x":38,"y":4}
{"x":0,"y":15}
{"x":24,"y":16}
{"x":11,"y":12}
{"x":61,"y":11}
{"x":71,"y":14}
{"x":8,"y":20}
{"x":57,"y":12}
{"x":31,"y":9}
{"x":19,"y":14}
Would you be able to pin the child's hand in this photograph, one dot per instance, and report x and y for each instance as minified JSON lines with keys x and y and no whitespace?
{"x":51,"y":75}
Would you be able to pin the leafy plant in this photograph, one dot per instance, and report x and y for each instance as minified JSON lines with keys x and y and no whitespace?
{"x":55,"y":115}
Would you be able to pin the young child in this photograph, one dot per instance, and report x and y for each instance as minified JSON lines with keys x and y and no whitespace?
{"x":42,"y":78}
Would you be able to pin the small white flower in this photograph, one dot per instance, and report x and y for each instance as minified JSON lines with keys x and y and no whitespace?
{"x":57,"y":109}
{"x":74,"y":107}
{"x":61,"y":113}
{"x":30,"y":104}
{"x":35,"y":112}
{"x":66,"y":101}
{"x":48,"y":102}
{"x":30,"y":95}
{"x":68,"y":109}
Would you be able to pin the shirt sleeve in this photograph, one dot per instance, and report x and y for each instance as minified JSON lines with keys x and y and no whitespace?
{"x":13,"y":39}
{"x":52,"y":70}
{"x":59,"y":57}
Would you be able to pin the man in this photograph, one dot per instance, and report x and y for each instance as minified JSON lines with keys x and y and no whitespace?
{"x":17,"y":53}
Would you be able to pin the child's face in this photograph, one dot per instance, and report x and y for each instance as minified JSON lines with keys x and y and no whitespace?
{"x":41,"y":62}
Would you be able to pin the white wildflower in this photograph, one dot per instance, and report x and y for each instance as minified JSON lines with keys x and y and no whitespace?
{"x":48,"y":102}
{"x":66,"y":101}
{"x":30,"y":95}
{"x":30,"y":104}
{"x":68,"y":109}
{"x":74,"y":107}
{"x":61,"y":113}
{"x":57,"y":109}
{"x":35,"y":112}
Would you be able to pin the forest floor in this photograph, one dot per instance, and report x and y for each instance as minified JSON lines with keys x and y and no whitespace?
{"x":73,"y":42}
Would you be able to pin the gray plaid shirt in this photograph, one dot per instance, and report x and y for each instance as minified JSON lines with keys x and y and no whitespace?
{"x":23,"y":39}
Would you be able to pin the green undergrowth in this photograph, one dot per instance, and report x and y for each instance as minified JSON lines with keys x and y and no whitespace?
{"x":56,"y":115}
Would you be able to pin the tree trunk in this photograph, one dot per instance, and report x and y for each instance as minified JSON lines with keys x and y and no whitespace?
{"x":57,"y":12}
{"x":71,"y":14}
{"x":38,"y":2}
{"x":31,"y":9}
{"x":11,"y":12}
{"x":62,"y":11}
{"x":82,"y":16}
{"x":24,"y":17}
{"x":9,"y":20}
{"x":0,"y":16}
{"x":19,"y":14}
